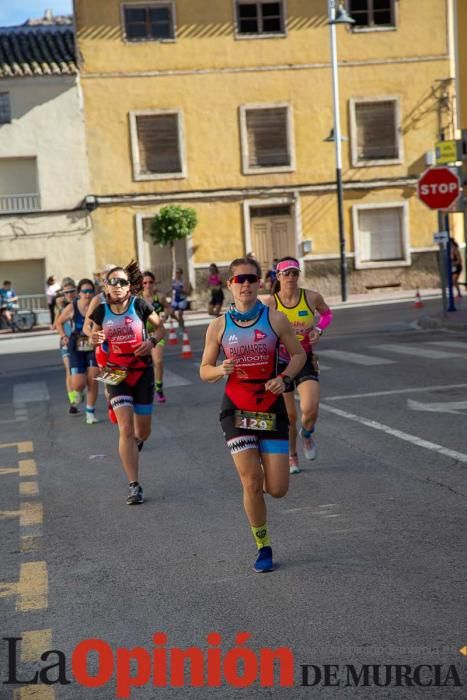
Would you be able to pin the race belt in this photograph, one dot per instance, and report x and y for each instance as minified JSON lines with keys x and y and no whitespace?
{"x":251,"y":420}
{"x":83,"y":344}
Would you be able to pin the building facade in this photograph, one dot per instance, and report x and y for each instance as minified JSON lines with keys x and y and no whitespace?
{"x":45,"y":228}
{"x":226,"y":106}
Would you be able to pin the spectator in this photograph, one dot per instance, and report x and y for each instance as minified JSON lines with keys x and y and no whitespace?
{"x":51,"y":290}
{"x":270,"y":276}
{"x":8,"y":303}
{"x":215,"y":287}
{"x":456,"y":265}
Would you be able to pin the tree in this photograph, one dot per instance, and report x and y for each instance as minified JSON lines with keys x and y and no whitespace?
{"x":172,"y":223}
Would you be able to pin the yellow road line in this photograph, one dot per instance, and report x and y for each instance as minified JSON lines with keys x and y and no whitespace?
{"x":27,"y":467}
{"x":9,"y":514}
{"x":30,"y":543}
{"x":32,"y":587}
{"x":8,"y":470}
{"x":34,"y":644}
{"x":36,"y":692}
{"x":31,"y":514}
{"x":8,"y":589}
{"x":21,"y":446}
{"x":28,"y":488}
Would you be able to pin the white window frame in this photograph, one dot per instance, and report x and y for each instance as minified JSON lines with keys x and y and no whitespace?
{"x":376,"y":28}
{"x":406,"y":261}
{"x":356,"y":163}
{"x":261,"y":35}
{"x":276,"y":201}
{"x":137,"y":175}
{"x":150,"y":3}
{"x":246,"y":169}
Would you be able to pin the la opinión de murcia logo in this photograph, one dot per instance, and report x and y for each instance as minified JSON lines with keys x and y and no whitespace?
{"x":164,"y":666}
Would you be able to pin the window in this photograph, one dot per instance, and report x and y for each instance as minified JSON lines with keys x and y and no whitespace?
{"x":375,"y":131}
{"x":372,"y":13}
{"x":149,"y":22}
{"x":156,"y":145}
{"x":5,"y":109}
{"x":19,"y":185}
{"x":260,"y":17}
{"x":266,"y":139}
{"x":381,"y":235}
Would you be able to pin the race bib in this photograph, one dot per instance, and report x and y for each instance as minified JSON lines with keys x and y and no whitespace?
{"x":112,"y":376}
{"x":83,"y":344}
{"x":250,"y":420}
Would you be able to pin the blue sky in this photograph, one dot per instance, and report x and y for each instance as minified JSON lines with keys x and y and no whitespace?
{"x":17,"y":11}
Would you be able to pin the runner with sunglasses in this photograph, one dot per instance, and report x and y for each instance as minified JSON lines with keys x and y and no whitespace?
{"x":300,"y":307}
{"x":159,"y":305}
{"x":119,"y":327}
{"x":253,"y":415}
{"x":83,"y":365}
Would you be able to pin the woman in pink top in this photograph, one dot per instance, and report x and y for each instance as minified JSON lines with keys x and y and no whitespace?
{"x":215,"y":287}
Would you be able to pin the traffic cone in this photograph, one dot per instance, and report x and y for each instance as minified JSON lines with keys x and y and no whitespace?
{"x":172,"y":334}
{"x":186,"y":349}
{"x":418,"y":300}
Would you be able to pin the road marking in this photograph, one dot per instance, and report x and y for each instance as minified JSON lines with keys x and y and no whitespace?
{"x":34,"y":692}
{"x":417,"y":350}
{"x":27,"y":467}
{"x":28,"y":488}
{"x":8,"y":470}
{"x":8,"y":589}
{"x":30,"y":543}
{"x":21,"y":446}
{"x":440,"y":407}
{"x":30,"y":392}
{"x":419,"y":442}
{"x":355,"y":358}
{"x":31,"y":514}
{"x":32,"y":587}
{"x":395,"y":391}
{"x":34,"y":644}
{"x":450,"y":344}
{"x":9,"y":514}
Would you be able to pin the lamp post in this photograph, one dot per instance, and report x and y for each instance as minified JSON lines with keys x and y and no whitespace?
{"x":338,"y":16}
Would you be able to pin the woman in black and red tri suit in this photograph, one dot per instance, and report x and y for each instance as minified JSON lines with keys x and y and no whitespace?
{"x":253,"y":415}
{"x":119,"y":326}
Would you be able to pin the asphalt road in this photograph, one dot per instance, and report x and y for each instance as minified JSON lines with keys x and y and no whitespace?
{"x":370,"y":540}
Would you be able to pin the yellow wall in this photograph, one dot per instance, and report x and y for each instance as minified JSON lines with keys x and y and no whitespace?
{"x":462,"y":60}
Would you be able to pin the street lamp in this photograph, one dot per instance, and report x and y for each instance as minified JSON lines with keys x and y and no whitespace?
{"x":338,"y":16}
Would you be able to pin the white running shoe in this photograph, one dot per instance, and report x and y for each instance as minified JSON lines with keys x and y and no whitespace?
{"x":293,"y":464}
{"x":309,"y":447}
{"x":91,"y":418}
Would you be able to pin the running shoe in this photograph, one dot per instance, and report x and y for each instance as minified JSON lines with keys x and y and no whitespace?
{"x":135,"y":495}
{"x":91,"y":418}
{"x":139,"y":444}
{"x":309,"y":448}
{"x":263,"y":561}
{"x":73,"y":409}
{"x":293,"y":464}
{"x":160,"y":398}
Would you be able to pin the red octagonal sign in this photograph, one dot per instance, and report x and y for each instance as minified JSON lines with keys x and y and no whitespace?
{"x":438,"y":188}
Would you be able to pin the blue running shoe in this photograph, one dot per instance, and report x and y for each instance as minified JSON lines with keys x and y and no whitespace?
{"x":263,"y":562}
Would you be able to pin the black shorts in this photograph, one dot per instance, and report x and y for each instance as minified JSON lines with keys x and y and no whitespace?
{"x":309,"y":372}
{"x":140,"y":396}
{"x":81,"y":361}
{"x":266,"y":441}
{"x":456,"y":269}
{"x":217,"y":297}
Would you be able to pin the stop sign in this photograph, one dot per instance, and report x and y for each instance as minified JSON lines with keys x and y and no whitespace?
{"x":438,"y":188}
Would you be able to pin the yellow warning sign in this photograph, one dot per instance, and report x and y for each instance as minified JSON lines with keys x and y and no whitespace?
{"x":446,"y":152}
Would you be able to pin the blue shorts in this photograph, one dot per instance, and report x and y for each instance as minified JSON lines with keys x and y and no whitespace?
{"x":81,"y":361}
{"x":179,"y":305}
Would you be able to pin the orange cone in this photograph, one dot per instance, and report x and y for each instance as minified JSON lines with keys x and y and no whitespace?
{"x":172,"y":334}
{"x":186,"y":349}
{"x":418,"y":300}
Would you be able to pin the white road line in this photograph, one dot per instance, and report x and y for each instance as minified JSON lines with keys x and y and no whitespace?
{"x":419,"y":442}
{"x":395,"y":391}
{"x":450,"y":344}
{"x":417,"y":350}
{"x":355,"y":358}
{"x":33,"y":391}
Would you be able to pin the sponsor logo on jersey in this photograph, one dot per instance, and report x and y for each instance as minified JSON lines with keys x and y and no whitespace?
{"x":304,"y":313}
{"x":233,"y":338}
{"x":128,"y":320}
{"x":259,"y":335}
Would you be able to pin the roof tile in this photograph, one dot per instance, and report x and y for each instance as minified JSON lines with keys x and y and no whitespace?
{"x":37,"y":50}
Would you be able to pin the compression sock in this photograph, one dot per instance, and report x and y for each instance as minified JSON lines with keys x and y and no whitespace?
{"x":158,"y":386}
{"x":307,"y":433}
{"x":261,"y":536}
{"x":71,"y":397}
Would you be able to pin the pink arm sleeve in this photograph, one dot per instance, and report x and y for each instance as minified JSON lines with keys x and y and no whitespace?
{"x":324,"y":320}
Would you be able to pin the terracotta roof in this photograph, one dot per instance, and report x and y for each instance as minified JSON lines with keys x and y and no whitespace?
{"x":37,"y":51}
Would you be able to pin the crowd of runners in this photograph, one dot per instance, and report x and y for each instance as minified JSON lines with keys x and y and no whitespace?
{"x":114,"y":334}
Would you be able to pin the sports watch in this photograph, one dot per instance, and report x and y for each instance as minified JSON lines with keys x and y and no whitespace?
{"x":286,"y":379}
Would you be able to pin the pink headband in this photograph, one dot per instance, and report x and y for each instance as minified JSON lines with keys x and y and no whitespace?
{"x":287,"y":265}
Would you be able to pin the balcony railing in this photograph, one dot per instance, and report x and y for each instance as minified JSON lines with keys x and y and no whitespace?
{"x":32,"y":302}
{"x":15,"y":203}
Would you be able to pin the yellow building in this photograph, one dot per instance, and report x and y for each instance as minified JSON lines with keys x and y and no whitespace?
{"x":226,"y":105}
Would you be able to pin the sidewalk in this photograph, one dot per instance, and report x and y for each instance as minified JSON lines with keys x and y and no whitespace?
{"x":455,"y":320}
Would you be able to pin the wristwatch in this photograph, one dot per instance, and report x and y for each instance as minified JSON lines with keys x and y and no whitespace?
{"x":317,"y":328}
{"x":286,"y":379}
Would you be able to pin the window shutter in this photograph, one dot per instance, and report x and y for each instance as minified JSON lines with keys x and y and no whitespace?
{"x":158,"y":143}
{"x":381,"y":234}
{"x":376,"y":130}
{"x":267,"y":137}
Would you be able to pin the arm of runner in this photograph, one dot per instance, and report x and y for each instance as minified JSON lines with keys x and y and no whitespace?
{"x":209,"y":371}
{"x":268,"y":300}
{"x":89,"y":324}
{"x":297,"y":354}
{"x":316,"y":301}
{"x":66,"y":315}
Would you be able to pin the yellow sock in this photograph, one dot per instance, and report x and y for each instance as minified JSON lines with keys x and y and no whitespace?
{"x":261,"y":536}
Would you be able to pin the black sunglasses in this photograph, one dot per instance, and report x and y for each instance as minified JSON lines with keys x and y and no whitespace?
{"x":241,"y":279}
{"x":69,"y":291}
{"x":118,"y":282}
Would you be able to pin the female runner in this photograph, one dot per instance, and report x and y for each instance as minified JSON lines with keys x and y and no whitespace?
{"x":253,"y":415}
{"x":159,"y":305}
{"x":300,"y":306}
{"x":120,"y":323}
